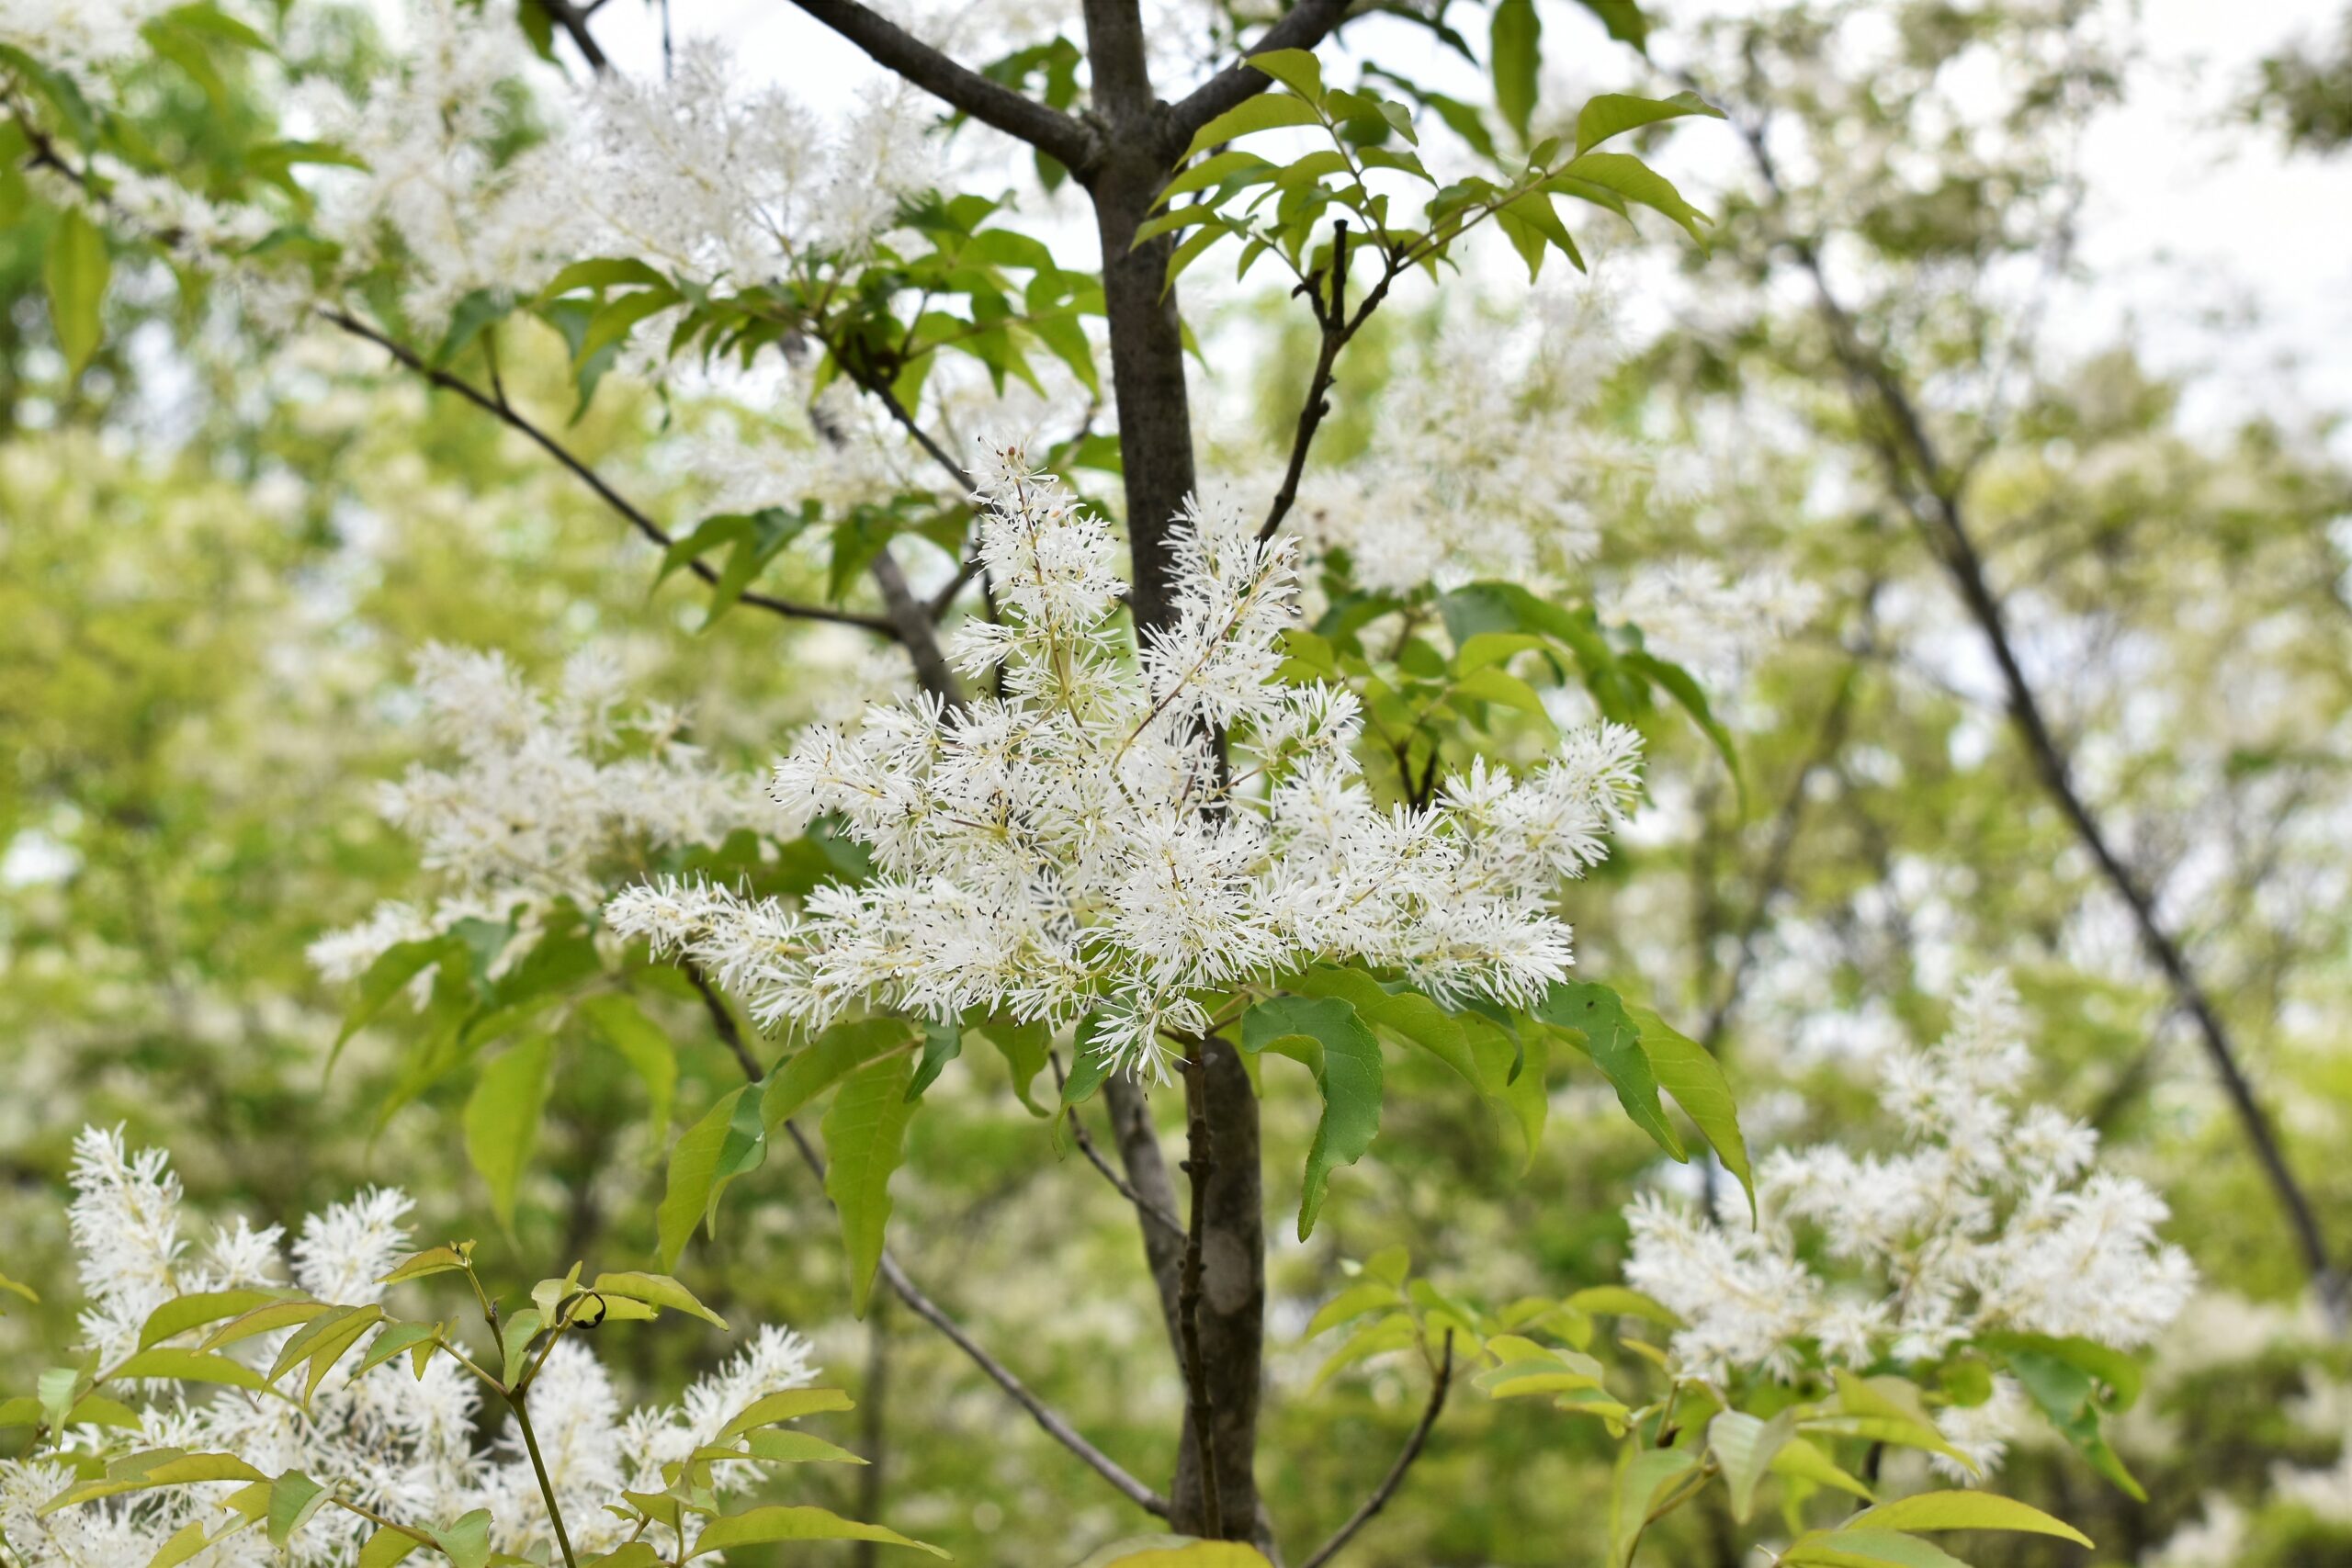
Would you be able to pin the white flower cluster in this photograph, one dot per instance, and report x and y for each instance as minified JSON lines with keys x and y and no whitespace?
{"x":77,"y":35}
{"x":1713,"y":624}
{"x":389,"y":1440}
{"x":1081,"y":845}
{"x":1486,"y":466}
{"x":1990,"y":1220}
{"x":693,"y":172}
{"x":544,"y":799}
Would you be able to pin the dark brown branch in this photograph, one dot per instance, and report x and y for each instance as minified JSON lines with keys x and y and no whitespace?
{"x":579,"y":469}
{"x":1404,"y":1457}
{"x":722,"y":1019}
{"x":1200,"y":1166}
{"x":1166,"y":1218}
{"x":573,"y":20}
{"x":1916,"y":475}
{"x":1049,"y":130}
{"x":1338,"y":328}
{"x":1308,"y":23}
{"x":1061,"y":1431}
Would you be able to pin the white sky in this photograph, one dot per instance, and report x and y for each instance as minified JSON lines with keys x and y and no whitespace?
{"x":2217,"y":253}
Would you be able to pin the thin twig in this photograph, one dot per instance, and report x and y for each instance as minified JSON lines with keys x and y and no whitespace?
{"x":1085,"y":1141}
{"x":580,"y":469}
{"x":922,"y":1305}
{"x":1921,"y":483}
{"x":722,"y":1018}
{"x":1061,"y":1431}
{"x":1404,"y":1457}
{"x":1305,"y":25}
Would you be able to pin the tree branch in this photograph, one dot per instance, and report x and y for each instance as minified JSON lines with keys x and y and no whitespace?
{"x":1916,"y":474}
{"x":579,"y":469}
{"x":1061,"y":1431}
{"x":1308,"y":23}
{"x":1396,"y":1476}
{"x":992,"y":103}
{"x":1200,"y":1166}
{"x":1165,"y":1218}
{"x":573,"y":20}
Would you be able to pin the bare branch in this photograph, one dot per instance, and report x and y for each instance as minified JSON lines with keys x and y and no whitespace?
{"x":992,"y":103}
{"x":1396,"y":1476}
{"x":507,"y":414}
{"x":1308,"y":23}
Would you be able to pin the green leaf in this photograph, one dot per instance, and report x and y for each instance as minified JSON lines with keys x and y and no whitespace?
{"x":656,"y":1289}
{"x":268,"y":1318}
{"x":1267,"y":111}
{"x":183,"y":1312}
{"x":2059,"y":1380}
{"x":1614,"y":114}
{"x":1216,"y":169}
{"x":1177,"y":1551}
{"x":387,"y":1547}
{"x":75,"y":270}
{"x":502,"y":1120}
{"x":293,"y":1498}
{"x":1622,"y":1301}
{"x":1515,"y":54}
{"x":162,"y":1467}
{"x":467,"y":1542}
{"x":1024,"y":1047}
{"x":612,"y":323}
{"x":1686,"y":691}
{"x":798,"y":1448}
{"x":390,"y":1341}
{"x":1296,"y":69}
{"x":1866,"y":1549}
{"x":1800,"y":1460}
{"x":619,"y":1022}
{"x":941,"y":1043}
{"x":603,"y":272}
{"x":188,"y":1366}
{"x":1363,"y":1296}
{"x":785,"y":1522}
{"x":1350,"y":1076}
{"x":1686,"y":1070}
{"x":1614,"y":1041}
{"x":1745,"y":1448}
{"x":865,"y":1131}
{"x":725,"y":1143}
{"x":1493,"y":685}
{"x":475,"y":314}
{"x":393,"y":969}
{"x":1642,"y":1479}
{"x":432,"y":1260}
{"x":1932,"y":1511}
{"x":825,"y":1060}
{"x":787,"y":1404}
{"x":1636,"y":181}
{"x":1623,"y":19}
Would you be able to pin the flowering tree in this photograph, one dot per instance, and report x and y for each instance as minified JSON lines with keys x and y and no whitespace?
{"x":1304,"y":783}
